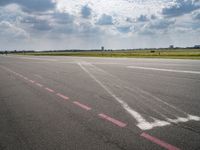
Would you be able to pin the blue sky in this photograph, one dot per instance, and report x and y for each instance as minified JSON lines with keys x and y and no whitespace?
{"x":88,"y":24}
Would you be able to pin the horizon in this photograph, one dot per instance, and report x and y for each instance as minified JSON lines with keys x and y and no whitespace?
{"x":96,"y":49}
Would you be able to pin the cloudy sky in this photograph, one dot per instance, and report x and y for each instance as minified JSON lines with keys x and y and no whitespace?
{"x":88,"y":24}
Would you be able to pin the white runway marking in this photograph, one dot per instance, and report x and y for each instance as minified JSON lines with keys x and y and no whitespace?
{"x":39,"y":76}
{"x":142,"y":123}
{"x":167,"y":70}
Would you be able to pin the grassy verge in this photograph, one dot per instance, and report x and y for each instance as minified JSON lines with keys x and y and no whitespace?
{"x":168,"y":53}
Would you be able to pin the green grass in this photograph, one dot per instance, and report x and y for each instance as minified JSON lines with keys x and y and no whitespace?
{"x":167,"y":53}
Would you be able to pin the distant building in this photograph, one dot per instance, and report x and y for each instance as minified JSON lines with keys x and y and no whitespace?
{"x":197,"y":46}
{"x":102,"y":48}
{"x":171,"y":46}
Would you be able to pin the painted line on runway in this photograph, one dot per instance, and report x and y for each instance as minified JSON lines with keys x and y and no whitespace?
{"x":32,"y":81}
{"x":138,"y":117}
{"x":20,"y":75}
{"x":39,"y":76}
{"x":158,"y":142}
{"x":116,"y":122}
{"x":25,"y":78}
{"x":62,"y":96}
{"x":38,"y":84}
{"x":110,"y":119}
{"x":82,"y":105}
{"x":50,"y":90}
{"x":166,"y":70}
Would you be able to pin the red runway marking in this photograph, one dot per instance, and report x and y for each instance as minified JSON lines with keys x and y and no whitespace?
{"x":62,"y":96}
{"x":50,"y":90}
{"x":32,"y":81}
{"x":25,"y":78}
{"x":17,"y":74}
{"x":38,"y":84}
{"x":20,"y":75}
{"x":159,"y":142}
{"x":82,"y":105}
{"x":116,"y":122}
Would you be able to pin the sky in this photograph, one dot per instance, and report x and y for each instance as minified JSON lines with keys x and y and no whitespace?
{"x":90,"y":24}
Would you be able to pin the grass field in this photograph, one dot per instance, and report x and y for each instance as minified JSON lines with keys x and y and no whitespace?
{"x":164,"y":53}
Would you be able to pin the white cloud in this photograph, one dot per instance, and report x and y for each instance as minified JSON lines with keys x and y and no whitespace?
{"x":91,"y":24}
{"x":8,"y":30}
{"x":115,"y":8}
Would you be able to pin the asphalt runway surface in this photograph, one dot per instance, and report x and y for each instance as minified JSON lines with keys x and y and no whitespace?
{"x":80,"y":103}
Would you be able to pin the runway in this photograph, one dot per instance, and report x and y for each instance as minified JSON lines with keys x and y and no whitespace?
{"x":99,"y":103}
